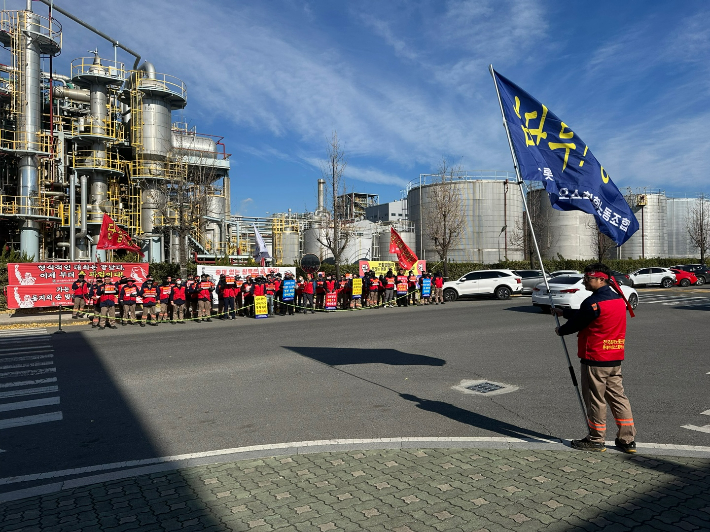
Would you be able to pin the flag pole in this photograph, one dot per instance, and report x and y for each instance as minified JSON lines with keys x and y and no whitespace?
{"x":521,"y":186}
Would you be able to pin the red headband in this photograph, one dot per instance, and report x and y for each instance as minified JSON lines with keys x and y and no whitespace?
{"x":615,"y":286}
{"x":598,"y":275}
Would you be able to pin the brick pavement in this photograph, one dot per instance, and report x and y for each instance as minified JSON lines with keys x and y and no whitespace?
{"x":400,"y":490}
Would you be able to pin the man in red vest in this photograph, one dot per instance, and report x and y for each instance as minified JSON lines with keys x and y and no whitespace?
{"x":108,"y":297}
{"x":164,"y":295}
{"x":149,"y":296}
{"x":80,"y":291}
{"x":309,"y":290}
{"x":127,"y":297}
{"x":178,"y":298}
{"x":204,"y":298}
{"x":600,"y":324}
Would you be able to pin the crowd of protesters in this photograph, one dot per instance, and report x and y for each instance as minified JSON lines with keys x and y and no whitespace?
{"x":192,"y":299}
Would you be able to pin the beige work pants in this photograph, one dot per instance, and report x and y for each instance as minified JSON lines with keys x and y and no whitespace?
{"x":602,"y":385}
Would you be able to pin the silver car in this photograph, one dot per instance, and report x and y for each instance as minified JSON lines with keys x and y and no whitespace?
{"x":531,"y":278}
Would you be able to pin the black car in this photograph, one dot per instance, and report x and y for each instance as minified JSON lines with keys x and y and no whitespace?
{"x":699,"y":270}
{"x":622,"y":278}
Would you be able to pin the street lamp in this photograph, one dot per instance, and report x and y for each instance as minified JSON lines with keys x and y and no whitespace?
{"x":499,"y":235}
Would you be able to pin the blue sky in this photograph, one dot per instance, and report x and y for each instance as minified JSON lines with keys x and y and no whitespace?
{"x":405,"y":83}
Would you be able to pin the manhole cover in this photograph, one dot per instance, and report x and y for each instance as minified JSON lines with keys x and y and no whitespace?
{"x":485,"y":387}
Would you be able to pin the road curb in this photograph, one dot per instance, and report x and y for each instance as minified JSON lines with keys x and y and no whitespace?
{"x":134,"y":468}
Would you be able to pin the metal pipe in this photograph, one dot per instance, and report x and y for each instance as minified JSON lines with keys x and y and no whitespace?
{"x":79,"y":95}
{"x":321,"y":197}
{"x":91,"y":28}
{"x":72,"y":217}
{"x":84,"y":202}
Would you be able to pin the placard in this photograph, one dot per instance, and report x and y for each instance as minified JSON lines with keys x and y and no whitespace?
{"x":331,"y":301}
{"x":261,"y":307}
{"x":289,"y":290}
{"x":357,"y":288}
{"x":426,"y":287}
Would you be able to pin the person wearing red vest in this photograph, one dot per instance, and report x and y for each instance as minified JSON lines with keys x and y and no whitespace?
{"x":204,"y":298}
{"x":238,"y":295}
{"x":374,"y":289}
{"x":127,"y":297}
{"x":320,"y":290}
{"x":108,"y":297}
{"x":178,"y":299}
{"x":248,"y":297}
{"x":412,"y":288}
{"x":192,"y":293}
{"x":94,"y":299}
{"x":309,"y":290}
{"x":600,"y":324}
{"x":80,"y":293}
{"x":164,"y":296}
{"x":229,"y":291}
{"x":149,"y":296}
{"x":299,"y":294}
{"x":437,"y":286}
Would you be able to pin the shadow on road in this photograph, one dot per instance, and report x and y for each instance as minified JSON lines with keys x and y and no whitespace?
{"x":471,"y":418}
{"x":338,"y":356}
{"x":527,"y":309}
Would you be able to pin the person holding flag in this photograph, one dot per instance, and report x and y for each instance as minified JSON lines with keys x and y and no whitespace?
{"x":546,"y":149}
{"x":600,"y":324}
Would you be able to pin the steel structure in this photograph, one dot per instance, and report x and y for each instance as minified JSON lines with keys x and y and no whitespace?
{"x":101,"y":140}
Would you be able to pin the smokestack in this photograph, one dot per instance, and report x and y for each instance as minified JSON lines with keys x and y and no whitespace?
{"x":321,"y":196}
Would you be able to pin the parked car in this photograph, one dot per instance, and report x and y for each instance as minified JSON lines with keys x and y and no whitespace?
{"x":568,"y":291}
{"x":661,"y":276}
{"x":557,"y":273}
{"x":622,"y":278}
{"x":530,"y":278}
{"x":684,"y":278}
{"x":700,"y":271}
{"x":500,"y":283}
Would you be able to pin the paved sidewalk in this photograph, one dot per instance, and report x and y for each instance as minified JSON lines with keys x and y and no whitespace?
{"x":392,"y":489}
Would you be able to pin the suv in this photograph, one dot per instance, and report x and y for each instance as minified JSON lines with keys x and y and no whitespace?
{"x":662,"y":276}
{"x":700,"y":270}
{"x":500,"y":283}
{"x":531,"y":278}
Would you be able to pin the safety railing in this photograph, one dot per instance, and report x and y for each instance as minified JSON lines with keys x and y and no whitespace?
{"x":162,"y":83}
{"x":30,"y":206}
{"x":95,"y":160}
{"x":41,"y":142}
{"x":108,"y":68}
{"x":49,"y":29}
{"x":107,"y":128}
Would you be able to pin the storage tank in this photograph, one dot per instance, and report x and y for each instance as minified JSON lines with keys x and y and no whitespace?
{"x":311,"y":245}
{"x":360,"y":243}
{"x":384,"y":239}
{"x":651,"y":240}
{"x":489,"y":204}
{"x":193,"y":145}
{"x":678,"y":215}
{"x":290,"y":247}
{"x":570,"y":234}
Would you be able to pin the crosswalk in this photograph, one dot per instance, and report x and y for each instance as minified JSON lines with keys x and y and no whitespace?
{"x":674,"y":300}
{"x":29,"y":393}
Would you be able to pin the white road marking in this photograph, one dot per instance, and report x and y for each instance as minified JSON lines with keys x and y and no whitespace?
{"x":30,"y":420}
{"x":29,"y":391}
{"x":28,"y":383}
{"x":32,"y":403}
{"x":704,"y":428}
{"x":30,"y":365}
{"x":26,"y":358}
{"x":706,"y":413}
{"x":27,"y":373}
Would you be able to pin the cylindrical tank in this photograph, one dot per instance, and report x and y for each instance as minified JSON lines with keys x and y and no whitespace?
{"x":215,"y":207}
{"x":192,"y":145}
{"x":570,"y":234}
{"x":311,"y":245}
{"x":488,"y":206}
{"x":157,"y":127}
{"x":290,"y":248}
{"x":651,"y":240}
{"x":678,"y":215}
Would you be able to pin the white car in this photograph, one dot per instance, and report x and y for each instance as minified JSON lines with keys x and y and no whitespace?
{"x":662,"y":276}
{"x":500,"y":283}
{"x":568,"y":292}
{"x":557,"y":273}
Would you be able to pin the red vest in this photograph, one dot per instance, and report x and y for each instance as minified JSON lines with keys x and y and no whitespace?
{"x":204,"y":290}
{"x":258,"y":289}
{"x":308,"y":287}
{"x":389,"y":282}
{"x":165,"y":292}
{"x":150,"y":296}
{"x":374,"y":284}
{"x":110,"y":293}
{"x":178,"y":293}
{"x":228,"y":291}
{"x":81,"y":289}
{"x":439,"y":282}
{"x":129,"y":294}
{"x":603,"y":340}
{"x":330,"y":286}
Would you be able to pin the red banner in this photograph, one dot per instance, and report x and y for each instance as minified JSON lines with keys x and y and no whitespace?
{"x":405,"y":255}
{"x":113,"y":237}
{"x":36,"y":273}
{"x":331,"y":301}
{"x":48,"y":284}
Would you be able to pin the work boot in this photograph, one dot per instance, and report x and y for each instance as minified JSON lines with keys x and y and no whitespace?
{"x":112,"y":327}
{"x":629,"y":448}
{"x":142,"y":324}
{"x":209,"y":319}
{"x":123,"y":323}
{"x":101,"y":327}
{"x":73,"y":317}
{"x":587,"y":445}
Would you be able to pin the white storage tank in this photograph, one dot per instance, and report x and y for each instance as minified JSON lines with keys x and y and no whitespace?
{"x":311,"y":245}
{"x":489,"y":204}
{"x":408,"y":236}
{"x":678,"y":216}
{"x":290,"y":247}
{"x":651,"y":240}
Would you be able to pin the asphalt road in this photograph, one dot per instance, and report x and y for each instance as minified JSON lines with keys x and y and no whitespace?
{"x":139,"y":393}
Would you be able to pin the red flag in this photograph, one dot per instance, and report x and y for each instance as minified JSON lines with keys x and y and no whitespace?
{"x":113,"y":237}
{"x":405,"y":255}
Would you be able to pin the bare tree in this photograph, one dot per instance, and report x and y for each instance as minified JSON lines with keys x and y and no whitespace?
{"x":335,"y":234}
{"x":444,"y":219}
{"x":699,"y":226}
{"x":521,"y":237}
{"x":601,"y":244}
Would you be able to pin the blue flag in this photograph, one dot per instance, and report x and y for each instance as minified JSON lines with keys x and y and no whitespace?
{"x":548,"y":150}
